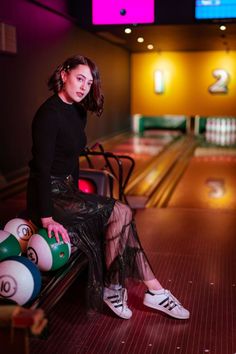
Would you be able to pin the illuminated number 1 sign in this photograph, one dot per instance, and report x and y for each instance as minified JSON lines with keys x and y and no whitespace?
{"x":221,"y":84}
{"x":158,"y":81}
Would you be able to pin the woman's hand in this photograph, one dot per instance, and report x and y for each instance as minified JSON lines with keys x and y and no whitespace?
{"x":54,"y":227}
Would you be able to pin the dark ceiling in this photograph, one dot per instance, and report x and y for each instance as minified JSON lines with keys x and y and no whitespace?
{"x":177,"y":37}
{"x":174,"y":29}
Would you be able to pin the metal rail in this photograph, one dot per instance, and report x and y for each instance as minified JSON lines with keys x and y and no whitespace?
{"x":108,"y":157}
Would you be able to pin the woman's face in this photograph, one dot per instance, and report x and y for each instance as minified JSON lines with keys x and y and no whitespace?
{"x":77,"y":84}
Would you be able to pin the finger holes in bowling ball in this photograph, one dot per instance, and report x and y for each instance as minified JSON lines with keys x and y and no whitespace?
{"x":47,"y":253}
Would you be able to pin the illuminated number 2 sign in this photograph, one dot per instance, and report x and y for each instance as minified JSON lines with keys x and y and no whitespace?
{"x":222,"y":80}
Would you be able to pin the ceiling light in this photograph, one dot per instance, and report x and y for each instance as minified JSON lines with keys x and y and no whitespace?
{"x":222,"y":28}
{"x":150,"y":46}
{"x":140,"y":39}
{"x":128,"y":30}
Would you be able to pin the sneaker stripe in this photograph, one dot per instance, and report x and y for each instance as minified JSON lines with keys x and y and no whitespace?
{"x":149,"y":292}
{"x":116,"y":300}
{"x":168,"y":304}
{"x":163,"y":301}
{"x":172,"y":306}
{"x":113,"y":297}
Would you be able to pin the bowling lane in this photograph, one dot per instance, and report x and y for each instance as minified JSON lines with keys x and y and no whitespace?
{"x":143,"y":149}
{"x":150,"y":143}
{"x":208,"y":182}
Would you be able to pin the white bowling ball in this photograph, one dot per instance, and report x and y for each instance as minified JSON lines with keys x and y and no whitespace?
{"x":22,"y":229}
{"x":20,"y":280}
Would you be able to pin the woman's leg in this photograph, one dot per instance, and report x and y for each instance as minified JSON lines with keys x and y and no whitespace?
{"x":124,"y":254}
{"x":153,"y":284}
{"x":122,"y":215}
{"x":125,"y":258}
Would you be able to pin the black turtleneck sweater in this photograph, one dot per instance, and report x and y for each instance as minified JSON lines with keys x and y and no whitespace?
{"x":58,"y":138}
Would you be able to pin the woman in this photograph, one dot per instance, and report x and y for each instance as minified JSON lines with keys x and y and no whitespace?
{"x":101,"y":227}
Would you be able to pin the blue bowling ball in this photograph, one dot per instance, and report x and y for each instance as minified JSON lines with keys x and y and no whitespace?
{"x":20,"y":280}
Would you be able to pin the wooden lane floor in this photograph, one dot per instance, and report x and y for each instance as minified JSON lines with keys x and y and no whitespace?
{"x":208,"y":182}
{"x":145,"y":184}
{"x":187,"y":174}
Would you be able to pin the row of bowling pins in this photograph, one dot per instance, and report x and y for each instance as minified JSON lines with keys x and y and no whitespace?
{"x":221,"y":131}
{"x":222,"y":139}
{"x":222,"y":125}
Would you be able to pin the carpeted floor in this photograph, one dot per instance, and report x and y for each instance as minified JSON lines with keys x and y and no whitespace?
{"x":193,"y":254}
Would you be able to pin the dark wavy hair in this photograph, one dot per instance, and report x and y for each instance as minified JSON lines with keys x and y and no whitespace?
{"x":94,"y":101}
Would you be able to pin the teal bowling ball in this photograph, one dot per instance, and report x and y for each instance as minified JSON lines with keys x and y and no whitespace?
{"x":47,"y":253}
{"x":9,"y":245}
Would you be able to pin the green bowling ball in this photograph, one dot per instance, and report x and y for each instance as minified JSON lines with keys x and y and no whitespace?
{"x":9,"y":245}
{"x":47,"y":253}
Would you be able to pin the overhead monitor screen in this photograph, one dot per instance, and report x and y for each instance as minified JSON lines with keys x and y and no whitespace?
{"x":116,"y":12}
{"x":215,"y":9}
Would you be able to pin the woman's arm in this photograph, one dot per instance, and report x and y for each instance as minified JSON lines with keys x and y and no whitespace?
{"x":45,"y":128}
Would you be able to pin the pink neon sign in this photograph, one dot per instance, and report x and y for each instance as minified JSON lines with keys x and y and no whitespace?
{"x":111,"y":12}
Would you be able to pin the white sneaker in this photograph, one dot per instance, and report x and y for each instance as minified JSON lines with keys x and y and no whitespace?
{"x":117,"y":301}
{"x":164,"y":301}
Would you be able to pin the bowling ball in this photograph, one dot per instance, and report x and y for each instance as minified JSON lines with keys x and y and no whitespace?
{"x":47,"y":253}
{"x":87,"y":186}
{"x":22,"y":229}
{"x":9,"y":245}
{"x":20,"y":280}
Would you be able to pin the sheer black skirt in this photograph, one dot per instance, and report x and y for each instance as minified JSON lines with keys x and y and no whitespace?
{"x":102,"y":228}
